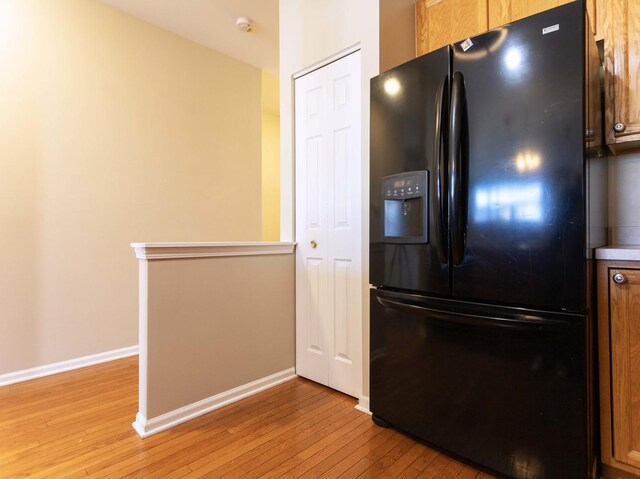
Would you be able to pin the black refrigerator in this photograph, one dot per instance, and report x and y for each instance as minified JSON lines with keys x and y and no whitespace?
{"x":486,"y":204}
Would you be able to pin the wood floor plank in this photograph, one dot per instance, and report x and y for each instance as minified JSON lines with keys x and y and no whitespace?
{"x":442,"y":466}
{"x":255,"y":462}
{"x":361,"y":467}
{"x":467,"y":472}
{"x":182,"y":457}
{"x":421,"y":463}
{"x":388,"y":459}
{"x":208,"y":437}
{"x":203,"y":440}
{"x":357,"y":435}
{"x":404,"y":461}
{"x":360,"y":457}
{"x":236,"y":448}
{"x":78,"y":425}
{"x":485,"y":475}
{"x":277,"y":455}
{"x":69,"y":459}
{"x":350,"y":443}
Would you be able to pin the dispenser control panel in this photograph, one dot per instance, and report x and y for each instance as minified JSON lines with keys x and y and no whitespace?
{"x":406,"y":218}
{"x":410,"y":187}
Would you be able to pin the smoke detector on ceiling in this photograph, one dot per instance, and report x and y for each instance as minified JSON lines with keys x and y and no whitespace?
{"x":244,"y":24}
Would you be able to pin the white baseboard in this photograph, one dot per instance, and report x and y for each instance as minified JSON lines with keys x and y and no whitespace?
{"x":146,"y":427}
{"x":363,"y":405}
{"x":55,"y":368}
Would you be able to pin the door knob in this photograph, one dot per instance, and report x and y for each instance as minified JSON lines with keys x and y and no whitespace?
{"x":314,"y":244}
{"x":619,"y":278}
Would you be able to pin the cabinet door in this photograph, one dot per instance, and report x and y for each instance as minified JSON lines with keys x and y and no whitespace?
{"x":622,"y":64}
{"x":440,"y":22}
{"x":595,"y":9}
{"x":625,"y":364}
{"x":505,"y":11}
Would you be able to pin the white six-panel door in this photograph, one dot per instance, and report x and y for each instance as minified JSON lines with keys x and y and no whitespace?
{"x":328,"y":225}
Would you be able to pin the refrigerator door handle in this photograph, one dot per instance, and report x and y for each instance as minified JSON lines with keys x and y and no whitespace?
{"x":521,"y":322}
{"x":438,"y":194}
{"x":456,"y":175}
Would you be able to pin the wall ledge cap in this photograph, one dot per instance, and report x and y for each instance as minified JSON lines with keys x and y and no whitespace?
{"x":155,"y":251}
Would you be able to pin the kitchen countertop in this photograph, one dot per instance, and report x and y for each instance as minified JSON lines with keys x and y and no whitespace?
{"x":619,"y":253}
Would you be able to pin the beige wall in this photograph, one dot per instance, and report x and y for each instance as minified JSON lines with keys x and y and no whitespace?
{"x":624,"y":197}
{"x":270,"y":157}
{"x":223,"y":327}
{"x":111,"y":131}
{"x":397,"y":32}
{"x":311,"y":31}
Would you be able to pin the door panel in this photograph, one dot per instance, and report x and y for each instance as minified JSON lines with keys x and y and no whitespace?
{"x":328,"y":225}
{"x":314,"y":200}
{"x":505,"y":392}
{"x":341,"y":179}
{"x":404,"y":113}
{"x":625,"y":364}
{"x":523,"y":163}
{"x":342,"y":271}
{"x":315,"y":341}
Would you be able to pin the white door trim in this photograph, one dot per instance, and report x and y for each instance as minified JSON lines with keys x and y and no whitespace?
{"x":323,"y":63}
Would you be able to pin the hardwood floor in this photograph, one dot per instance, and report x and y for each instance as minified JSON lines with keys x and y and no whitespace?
{"x":78,"y":424}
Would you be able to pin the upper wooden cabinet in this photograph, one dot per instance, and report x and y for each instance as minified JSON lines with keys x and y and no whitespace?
{"x":440,"y":22}
{"x":505,"y":11}
{"x":621,"y":20}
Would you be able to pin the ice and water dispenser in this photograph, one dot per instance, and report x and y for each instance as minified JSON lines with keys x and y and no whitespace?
{"x":406,"y":212}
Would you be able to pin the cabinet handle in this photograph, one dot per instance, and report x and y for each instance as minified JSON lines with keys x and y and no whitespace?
{"x":314,"y":244}
{"x":619,"y":127}
{"x":619,"y":278}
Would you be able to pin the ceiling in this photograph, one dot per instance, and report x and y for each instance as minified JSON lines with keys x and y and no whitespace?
{"x":212,"y":23}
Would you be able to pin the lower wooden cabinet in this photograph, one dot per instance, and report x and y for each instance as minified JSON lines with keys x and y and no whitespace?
{"x":619,"y":363}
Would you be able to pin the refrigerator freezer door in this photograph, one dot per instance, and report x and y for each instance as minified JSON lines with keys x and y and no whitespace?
{"x":501,"y":388}
{"x":408,"y":134}
{"x":521,"y":210}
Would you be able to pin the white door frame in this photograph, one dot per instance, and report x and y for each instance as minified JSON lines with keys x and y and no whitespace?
{"x":324,"y":63}
{"x":363,"y":401}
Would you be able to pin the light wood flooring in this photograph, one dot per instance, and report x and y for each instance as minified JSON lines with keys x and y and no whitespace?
{"x":78,"y":424}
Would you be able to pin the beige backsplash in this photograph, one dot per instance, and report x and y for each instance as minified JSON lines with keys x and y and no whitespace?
{"x":624,"y":197}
